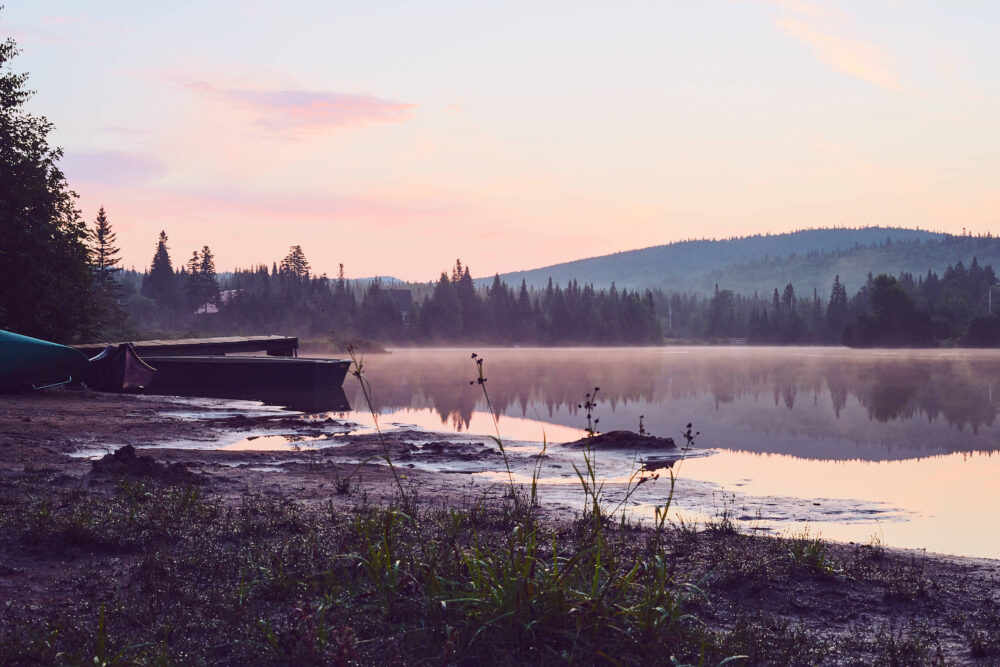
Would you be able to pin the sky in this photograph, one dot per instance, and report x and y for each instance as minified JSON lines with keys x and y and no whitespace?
{"x":397,"y":137}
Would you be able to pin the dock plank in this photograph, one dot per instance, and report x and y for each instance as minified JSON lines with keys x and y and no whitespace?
{"x":279,"y":346}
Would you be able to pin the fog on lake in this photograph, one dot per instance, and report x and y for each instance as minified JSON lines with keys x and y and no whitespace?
{"x":855,"y":444}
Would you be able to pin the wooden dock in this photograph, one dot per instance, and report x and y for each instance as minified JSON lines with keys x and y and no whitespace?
{"x":274,"y":346}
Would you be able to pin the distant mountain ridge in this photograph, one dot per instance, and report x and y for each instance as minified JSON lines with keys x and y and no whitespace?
{"x":808,"y":259}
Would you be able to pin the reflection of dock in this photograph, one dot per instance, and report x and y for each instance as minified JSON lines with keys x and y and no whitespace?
{"x":303,"y":399}
{"x":274,"y":346}
{"x":303,"y":384}
{"x":200,"y":373}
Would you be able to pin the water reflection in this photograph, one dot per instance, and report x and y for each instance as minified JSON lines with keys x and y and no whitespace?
{"x":821,"y":403}
{"x":302,"y":399}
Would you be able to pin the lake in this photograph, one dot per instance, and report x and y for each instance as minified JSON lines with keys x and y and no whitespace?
{"x":854,"y":445}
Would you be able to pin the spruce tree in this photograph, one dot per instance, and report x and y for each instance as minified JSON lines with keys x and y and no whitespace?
{"x":104,"y":261}
{"x":836,"y":310}
{"x":159,"y":284}
{"x":295,"y":264}
{"x":207,"y":277}
{"x":104,"y":253}
{"x":46,"y":284}
{"x":191,"y":283}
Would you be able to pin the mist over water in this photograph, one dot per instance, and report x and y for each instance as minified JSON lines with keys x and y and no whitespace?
{"x":814,"y":403}
{"x":851,"y":443}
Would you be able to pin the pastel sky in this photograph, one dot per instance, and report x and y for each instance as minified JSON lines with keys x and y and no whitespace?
{"x":396,"y":137}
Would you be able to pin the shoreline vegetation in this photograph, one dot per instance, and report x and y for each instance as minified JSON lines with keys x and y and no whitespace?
{"x":163,"y":574}
{"x":951,"y":310}
{"x":176,"y":556}
{"x":158,"y":555}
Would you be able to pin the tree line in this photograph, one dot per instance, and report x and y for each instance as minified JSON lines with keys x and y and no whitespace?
{"x":887,"y":311}
{"x":58,"y":276}
{"x":287,"y":297}
{"x":61,"y":280}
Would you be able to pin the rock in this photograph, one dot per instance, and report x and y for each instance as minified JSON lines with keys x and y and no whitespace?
{"x":623,"y":440}
{"x":124,"y":462}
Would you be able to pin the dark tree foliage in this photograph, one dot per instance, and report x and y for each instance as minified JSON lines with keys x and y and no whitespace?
{"x":836,"y":309}
{"x":983,"y":332}
{"x":104,"y":253}
{"x":722,"y":322}
{"x":894,"y":320}
{"x":885,"y":311}
{"x":294,"y":264}
{"x":113,"y":322}
{"x":936,"y":310}
{"x":450,"y":310}
{"x":160,"y":283}
{"x":46,"y":284}
{"x":189,"y":278}
{"x":200,"y":282}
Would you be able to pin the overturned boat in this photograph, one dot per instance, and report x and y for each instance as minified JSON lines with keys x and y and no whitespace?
{"x":119,"y":369}
{"x":32,"y":362}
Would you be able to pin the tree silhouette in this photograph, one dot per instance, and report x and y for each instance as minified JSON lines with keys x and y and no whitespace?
{"x":836,"y":310}
{"x":294,"y":263}
{"x":103,"y":249}
{"x":104,"y":260}
{"x":207,"y":281}
{"x":46,"y":284}
{"x":159,"y":284}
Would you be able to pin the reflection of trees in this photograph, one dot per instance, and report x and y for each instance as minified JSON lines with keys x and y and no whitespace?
{"x":959,"y":405}
{"x":887,"y":402}
{"x":953,"y":389}
{"x":888,"y":390}
{"x":837,"y":382}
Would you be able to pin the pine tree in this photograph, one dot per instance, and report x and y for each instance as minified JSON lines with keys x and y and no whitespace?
{"x":836,"y":310}
{"x":103,"y":251}
{"x":46,"y":283}
{"x":104,"y":261}
{"x":191,"y":284}
{"x":295,"y":264}
{"x":207,"y":278}
{"x":159,"y":284}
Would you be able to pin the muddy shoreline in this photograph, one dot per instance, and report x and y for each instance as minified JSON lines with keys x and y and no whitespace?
{"x":47,"y":437}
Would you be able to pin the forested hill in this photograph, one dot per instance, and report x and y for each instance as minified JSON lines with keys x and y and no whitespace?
{"x":688,"y":264}
{"x":816,"y":270}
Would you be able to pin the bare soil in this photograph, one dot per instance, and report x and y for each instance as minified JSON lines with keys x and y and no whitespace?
{"x":859,"y":596}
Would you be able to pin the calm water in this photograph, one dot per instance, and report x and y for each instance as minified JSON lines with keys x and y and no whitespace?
{"x":851,"y":444}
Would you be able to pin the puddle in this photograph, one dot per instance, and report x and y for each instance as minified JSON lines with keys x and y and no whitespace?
{"x":216,"y":408}
{"x":478,"y":424}
{"x":278,"y":443}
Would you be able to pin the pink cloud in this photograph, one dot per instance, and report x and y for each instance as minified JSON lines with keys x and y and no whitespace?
{"x":281,"y":110}
{"x":853,"y":57}
{"x":114,"y":168}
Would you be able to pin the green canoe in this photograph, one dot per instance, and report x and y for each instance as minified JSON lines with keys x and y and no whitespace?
{"x":30,"y":362}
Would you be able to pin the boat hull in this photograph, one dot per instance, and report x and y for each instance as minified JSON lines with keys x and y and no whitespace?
{"x":31,"y":362}
{"x":119,"y":369}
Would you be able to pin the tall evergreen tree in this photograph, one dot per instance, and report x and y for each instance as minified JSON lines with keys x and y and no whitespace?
{"x":295,"y":264}
{"x":191,"y":286}
{"x":159,"y":284}
{"x":46,"y":283}
{"x":104,"y":260}
{"x":836,"y":310}
{"x":207,"y":277}
{"x":104,"y":253}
